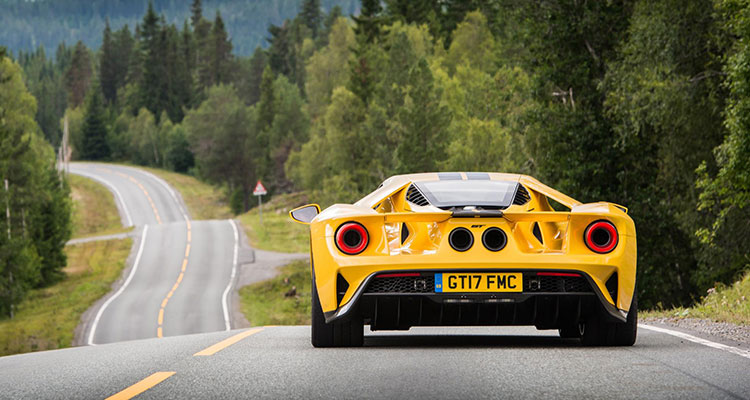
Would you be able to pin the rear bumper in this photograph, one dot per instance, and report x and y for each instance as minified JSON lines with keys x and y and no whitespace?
{"x":541,"y":306}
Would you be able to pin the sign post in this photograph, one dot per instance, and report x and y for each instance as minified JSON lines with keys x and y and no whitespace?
{"x":259,"y":191}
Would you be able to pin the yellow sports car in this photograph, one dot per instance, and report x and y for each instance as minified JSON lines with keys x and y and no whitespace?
{"x":467,"y":249}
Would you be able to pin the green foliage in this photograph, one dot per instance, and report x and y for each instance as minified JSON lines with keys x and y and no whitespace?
{"x":78,"y":76}
{"x":725,"y":197}
{"x":94,"y":145}
{"x":222,"y":135}
{"x":36,"y":198}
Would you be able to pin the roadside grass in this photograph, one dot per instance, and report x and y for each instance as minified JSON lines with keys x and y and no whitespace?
{"x":203,"y":200}
{"x":94,"y":209}
{"x":725,"y":303}
{"x":278,"y":232}
{"x":268,"y":303}
{"x":47,"y":318}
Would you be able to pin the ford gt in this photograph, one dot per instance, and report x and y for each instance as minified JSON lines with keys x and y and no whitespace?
{"x":471,"y":249}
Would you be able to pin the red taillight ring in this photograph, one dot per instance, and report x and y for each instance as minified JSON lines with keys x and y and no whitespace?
{"x":597,"y":226}
{"x":348,"y":229}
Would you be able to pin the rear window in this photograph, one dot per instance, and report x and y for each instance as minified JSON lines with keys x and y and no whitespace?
{"x":479,"y":193}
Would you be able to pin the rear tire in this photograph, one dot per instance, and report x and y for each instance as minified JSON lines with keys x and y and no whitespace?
{"x":349,"y":333}
{"x":598,"y":332}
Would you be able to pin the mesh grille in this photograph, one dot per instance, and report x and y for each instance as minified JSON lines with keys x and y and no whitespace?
{"x":413,"y":195}
{"x":522,"y":196}
{"x":402,"y":285}
{"x":548,"y":284}
{"x":556,"y":284}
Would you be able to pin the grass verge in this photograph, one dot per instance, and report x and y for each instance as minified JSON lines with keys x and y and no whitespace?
{"x":272,"y":302}
{"x":47,"y":318}
{"x":203,"y":201}
{"x":277,"y":232}
{"x":721,"y":304}
{"x":94,"y":209}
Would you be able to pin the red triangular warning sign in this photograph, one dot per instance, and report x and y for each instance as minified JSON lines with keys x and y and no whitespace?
{"x":260,"y":190}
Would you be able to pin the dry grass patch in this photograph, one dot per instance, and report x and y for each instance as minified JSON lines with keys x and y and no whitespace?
{"x":203,"y":201}
{"x":94,"y":209}
{"x":283,"y":300}
{"x":277,"y":232}
{"x":721,"y":304}
{"x":47,"y":318}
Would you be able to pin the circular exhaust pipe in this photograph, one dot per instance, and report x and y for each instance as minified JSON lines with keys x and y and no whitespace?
{"x":461,"y":239}
{"x":494,"y":239}
{"x":601,"y":237}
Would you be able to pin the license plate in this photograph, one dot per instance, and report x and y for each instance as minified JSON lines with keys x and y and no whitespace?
{"x":479,"y":282}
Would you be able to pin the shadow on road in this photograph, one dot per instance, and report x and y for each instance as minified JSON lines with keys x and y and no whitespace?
{"x":449,"y":341}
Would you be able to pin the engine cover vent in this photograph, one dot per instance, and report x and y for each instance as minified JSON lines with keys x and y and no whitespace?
{"x":522,"y":196}
{"x":413,"y":195}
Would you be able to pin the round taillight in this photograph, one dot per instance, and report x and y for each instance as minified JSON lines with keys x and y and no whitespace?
{"x":601,"y":237}
{"x":461,"y":239}
{"x":494,"y":239}
{"x":352,"y":238}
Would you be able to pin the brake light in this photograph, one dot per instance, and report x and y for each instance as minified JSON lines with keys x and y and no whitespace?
{"x":601,"y":237}
{"x":352,"y":238}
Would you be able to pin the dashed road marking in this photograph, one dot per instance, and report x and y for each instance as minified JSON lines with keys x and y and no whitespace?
{"x":142,"y":386}
{"x":211,"y":350}
{"x":143,"y":189}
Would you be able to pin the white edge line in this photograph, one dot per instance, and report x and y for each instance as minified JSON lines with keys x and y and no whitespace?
{"x":225,"y":296}
{"x":694,"y":339}
{"x":121,"y":289}
{"x":166,"y":186}
{"x":112,"y":189}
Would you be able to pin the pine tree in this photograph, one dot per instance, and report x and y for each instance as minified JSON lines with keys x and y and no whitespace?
{"x":369,"y":21}
{"x":78,"y":76}
{"x":107,"y":66}
{"x":123,"y":49}
{"x":95,"y":146}
{"x":221,"y":52}
{"x":266,"y":110}
{"x":311,"y":16}
{"x":196,"y":13}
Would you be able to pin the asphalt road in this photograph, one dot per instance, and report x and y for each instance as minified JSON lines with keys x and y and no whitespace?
{"x":179,"y":278}
{"x":433,"y":363}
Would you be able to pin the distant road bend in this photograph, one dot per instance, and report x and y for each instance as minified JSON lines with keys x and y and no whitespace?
{"x":180,"y":277}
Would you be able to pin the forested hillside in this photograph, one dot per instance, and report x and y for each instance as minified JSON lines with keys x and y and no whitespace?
{"x":26,"y":25}
{"x":641,"y":103}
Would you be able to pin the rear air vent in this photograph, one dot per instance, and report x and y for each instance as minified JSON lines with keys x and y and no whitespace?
{"x":537,"y":233}
{"x":413,"y":195}
{"x":522,"y":196}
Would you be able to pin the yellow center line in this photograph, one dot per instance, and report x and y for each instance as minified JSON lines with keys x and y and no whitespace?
{"x":143,"y":189}
{"x":160,"y":327}
{"x":142,"y":386}
{"x":209,"y":351}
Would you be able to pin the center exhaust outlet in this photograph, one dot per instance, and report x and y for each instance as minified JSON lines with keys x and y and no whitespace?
{"x":461,"y":239}
{"x":494,"y":239}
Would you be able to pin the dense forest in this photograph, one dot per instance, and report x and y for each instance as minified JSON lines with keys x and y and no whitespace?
{"x":641,"y":103}
{"x":26,"y":25}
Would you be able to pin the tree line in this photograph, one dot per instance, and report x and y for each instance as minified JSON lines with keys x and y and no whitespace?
{"x":641,"y":103}
{"x":34,"y":198}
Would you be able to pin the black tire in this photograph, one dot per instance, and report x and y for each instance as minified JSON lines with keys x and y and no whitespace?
{"x":598,"y":332}
{"x":349,"y":333}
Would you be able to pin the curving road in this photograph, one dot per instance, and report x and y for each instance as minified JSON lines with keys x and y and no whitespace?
{"x":476,"y":363}
{"x":180,"y":275}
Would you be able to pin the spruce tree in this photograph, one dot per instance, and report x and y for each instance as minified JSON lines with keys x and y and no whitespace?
{"x":78,"y":76}
{"x":95,"y":146}
{"x":311,"y":16}
{"x":107,"y":66}
{"x":221,"y":52}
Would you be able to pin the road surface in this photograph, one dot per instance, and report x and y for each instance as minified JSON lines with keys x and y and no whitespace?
{"x":180,"y":276}
{"x":430,"y":363}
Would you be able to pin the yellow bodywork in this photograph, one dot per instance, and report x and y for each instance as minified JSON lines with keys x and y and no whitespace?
{"x":383,"y":212}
